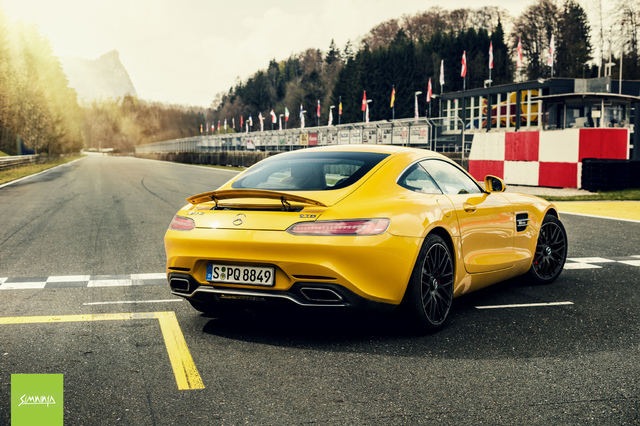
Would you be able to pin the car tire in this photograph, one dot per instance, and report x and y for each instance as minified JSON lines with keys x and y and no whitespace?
{"x":551,"y":252}
{"x":429,"y":294}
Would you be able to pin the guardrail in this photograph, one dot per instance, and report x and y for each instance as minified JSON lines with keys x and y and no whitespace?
{"x":440,"y":134}
{"x":16,"y":160}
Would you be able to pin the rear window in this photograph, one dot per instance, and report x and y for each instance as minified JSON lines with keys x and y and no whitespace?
{"x":309,"y":171}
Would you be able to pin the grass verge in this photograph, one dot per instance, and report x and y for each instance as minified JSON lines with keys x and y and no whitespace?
{"x":624,"y":195}
{"x":31,"y":169}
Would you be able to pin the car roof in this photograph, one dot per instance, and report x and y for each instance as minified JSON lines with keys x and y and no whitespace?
{"x":382,"y":149}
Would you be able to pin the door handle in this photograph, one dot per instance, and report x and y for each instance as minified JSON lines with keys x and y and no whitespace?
{"x":468,"y":207}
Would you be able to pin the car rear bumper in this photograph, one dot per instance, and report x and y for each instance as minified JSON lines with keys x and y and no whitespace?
{"x":301,"y":294}
{"x":375,"y":268}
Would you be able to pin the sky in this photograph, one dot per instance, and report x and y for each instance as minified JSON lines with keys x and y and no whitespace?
{"x":187,"y":51}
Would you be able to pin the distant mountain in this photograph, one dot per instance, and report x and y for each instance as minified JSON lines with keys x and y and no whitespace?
{"x":100,"y":78}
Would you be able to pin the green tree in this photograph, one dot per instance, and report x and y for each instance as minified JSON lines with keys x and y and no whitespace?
{"x":535,"y":27}
{"x":627,"y":17}
{"x":573,"y":41}
{"x":503,"y":66}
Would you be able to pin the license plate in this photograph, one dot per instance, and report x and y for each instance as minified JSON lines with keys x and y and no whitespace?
{"x":249,"y":275}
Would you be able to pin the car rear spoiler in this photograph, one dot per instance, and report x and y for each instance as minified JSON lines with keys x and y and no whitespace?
{"x":228,"y":194}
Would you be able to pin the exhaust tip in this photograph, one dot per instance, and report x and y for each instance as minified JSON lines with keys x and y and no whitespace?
{"x":321,"y":295}
{"x":179,"y":284}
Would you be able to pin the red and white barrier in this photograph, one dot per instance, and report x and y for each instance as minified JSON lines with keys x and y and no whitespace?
{"x":544,"y":158}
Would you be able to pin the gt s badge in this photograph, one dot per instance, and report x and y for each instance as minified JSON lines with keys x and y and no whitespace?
{"x":308,"y":216}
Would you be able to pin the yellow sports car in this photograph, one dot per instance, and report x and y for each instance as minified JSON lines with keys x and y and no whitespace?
{"x":367,"y":226}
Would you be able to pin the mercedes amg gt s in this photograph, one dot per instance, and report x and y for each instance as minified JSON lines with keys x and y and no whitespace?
{"x":366,"y":226}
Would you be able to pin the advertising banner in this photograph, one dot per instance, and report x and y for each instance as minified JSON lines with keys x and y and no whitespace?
{"x":419,"y":135}
{"x":370,"y":136}
{"x":400,"y":136}
{"x":344,"y":137}
{"x":386,"y":136}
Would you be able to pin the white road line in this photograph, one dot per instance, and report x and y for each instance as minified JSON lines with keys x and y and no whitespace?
{"x":581,"y":266}
{"x":2,"y":280}
{"x":524,"y":305}
{"x":590,"y":259}
{"x":22,"y":286}
{"x":109,"y":283}
{"x":631,"y":262}
{"x":149,"y":276}
{"x":132,"y":301}
{"x":68,"y":279}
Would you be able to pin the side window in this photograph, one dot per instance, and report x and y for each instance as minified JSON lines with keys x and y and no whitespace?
{"x":450,"y":178}
{"x":416,"y":179}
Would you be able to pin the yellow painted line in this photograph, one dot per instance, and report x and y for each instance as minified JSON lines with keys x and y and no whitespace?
{"x":629,"y":210}
{"x":184,"y":369}
{"x":183,"y":366}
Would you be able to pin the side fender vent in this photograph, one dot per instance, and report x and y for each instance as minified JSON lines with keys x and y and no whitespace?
{"x":522,"y":221}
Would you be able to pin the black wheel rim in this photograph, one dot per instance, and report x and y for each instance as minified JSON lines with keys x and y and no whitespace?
{"x":437,"y":284}
{"x":550,"y":251}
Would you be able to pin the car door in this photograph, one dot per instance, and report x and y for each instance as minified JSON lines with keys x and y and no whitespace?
{"x":486,"y":220}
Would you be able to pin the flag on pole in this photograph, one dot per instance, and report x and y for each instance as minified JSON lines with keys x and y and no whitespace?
{"x":225,"y":124}
{"x":463,"y":71}
{"x":280,"y":122}
{"x":213,"y":127}
{"x":491,"y":55}
{"x":241,"y":122}
{"x":201,"y":128}
{"x":364,"y":101}
{"x":233,"y":122}
{"x":250,"y":121}
{"x":330,"y":116}
{"x":301,"y":114}
{"x":519,"y":58}
{"x":218,"y":125}
{"x":552,"y":47}
{"x":416,"y":112}
{"x":261,"y":121}
{"x":318,"y":108}
{"x":429,"y":91}
{"x":366,"y":119}
{"x":340,"y":109}
{"x":393,"y":96}
{"x":273,"y":116}
{"x":441,"y":74}
{"x":286,"y":114}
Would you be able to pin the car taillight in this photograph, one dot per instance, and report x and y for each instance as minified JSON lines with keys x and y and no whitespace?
{"x":340,"y":227}
{"x":180,"y":223}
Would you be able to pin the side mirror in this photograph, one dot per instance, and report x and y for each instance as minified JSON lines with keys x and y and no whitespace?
{"x":494,"y":184}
